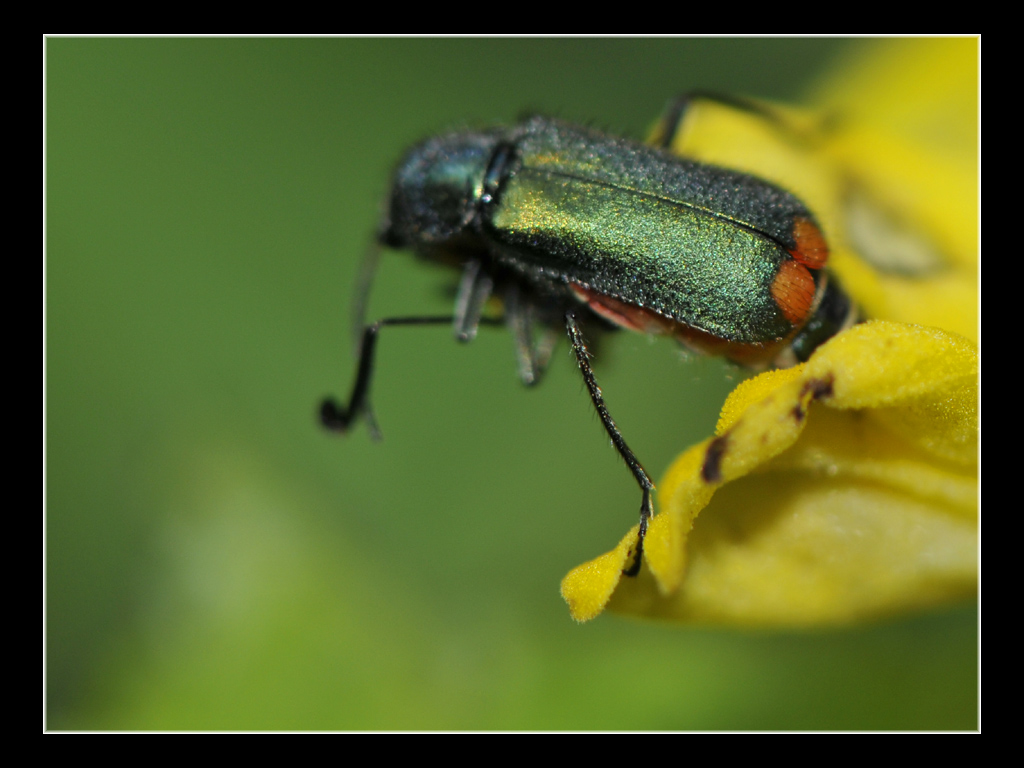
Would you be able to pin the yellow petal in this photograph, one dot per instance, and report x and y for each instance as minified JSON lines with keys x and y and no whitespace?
{"x":588,"y":587}
{"x":906,"y":141}
{"x":846,"y":488}
{"x":838,"y":495}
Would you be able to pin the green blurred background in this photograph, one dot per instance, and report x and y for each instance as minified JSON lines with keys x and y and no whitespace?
{"x":215,"y":560}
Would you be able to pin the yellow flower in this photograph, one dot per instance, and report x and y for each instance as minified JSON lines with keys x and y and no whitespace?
{"x":845,"y":488}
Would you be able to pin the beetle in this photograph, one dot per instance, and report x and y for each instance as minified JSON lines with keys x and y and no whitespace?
{"x":573,"y":228}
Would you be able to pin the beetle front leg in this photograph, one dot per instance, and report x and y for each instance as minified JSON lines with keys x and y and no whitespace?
{"x":579,"y":348}
{"x":532,"y":355}
{"x":338,"y":418}
{"x":474,"y":291}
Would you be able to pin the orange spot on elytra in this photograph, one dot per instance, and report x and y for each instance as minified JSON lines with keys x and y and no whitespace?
{"x":811,"y":249}
{"x":793,"y":290}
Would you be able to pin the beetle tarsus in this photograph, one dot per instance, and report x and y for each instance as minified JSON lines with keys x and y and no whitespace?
{"x":333,"y":416}
{"x":339,"y":418}
{"x":646,"y":510}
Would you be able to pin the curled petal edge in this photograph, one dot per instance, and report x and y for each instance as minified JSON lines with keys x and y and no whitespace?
{"x":873,"y":511}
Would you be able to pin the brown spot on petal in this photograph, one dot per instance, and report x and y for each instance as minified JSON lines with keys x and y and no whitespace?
{"x":817,"y":389}
{"x":711,"y":471}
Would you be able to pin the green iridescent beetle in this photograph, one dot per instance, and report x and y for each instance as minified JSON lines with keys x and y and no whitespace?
{"x":570,"y":227}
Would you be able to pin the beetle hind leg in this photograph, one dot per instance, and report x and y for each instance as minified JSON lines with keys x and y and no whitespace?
{"x":579,"y":348}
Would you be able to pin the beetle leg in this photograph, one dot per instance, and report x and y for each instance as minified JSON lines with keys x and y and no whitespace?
{"x":674,"y":115}
{"x":339,"y":418}
{"x":579,"y":347}
{"x":672,"y":118}
{"x":361,"y":295}
{"x":474,"y":291}
{"x":532,"y":355}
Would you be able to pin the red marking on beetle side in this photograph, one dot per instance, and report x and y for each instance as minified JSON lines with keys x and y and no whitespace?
{"x":811,"y":249}
{"x":622,"y":314}
{"x":645,"y":320}
{"x":793,"y":290}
